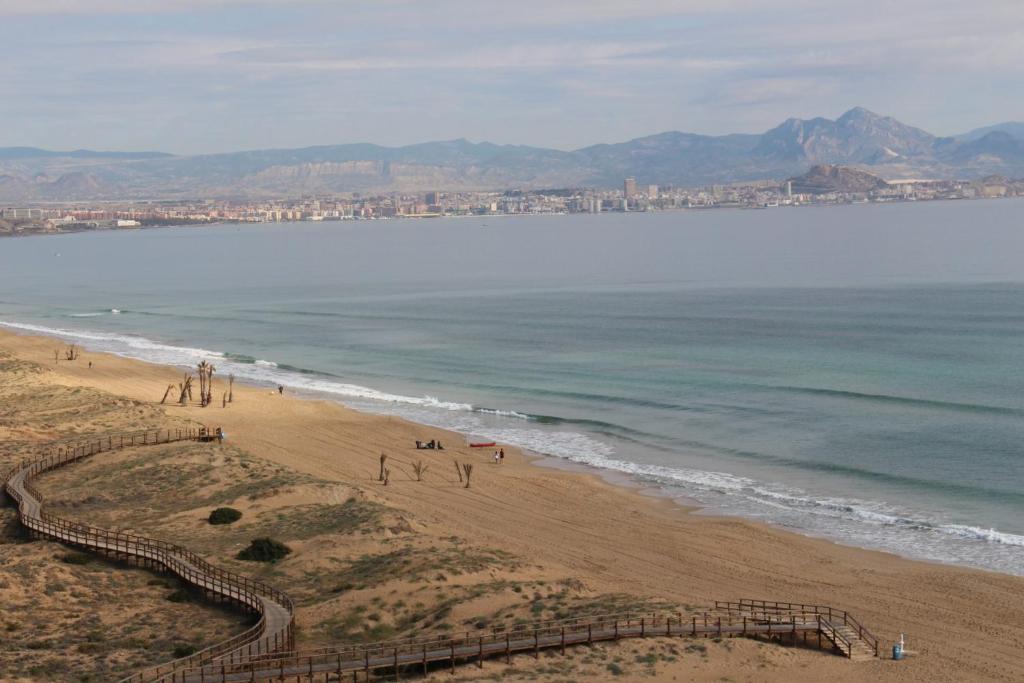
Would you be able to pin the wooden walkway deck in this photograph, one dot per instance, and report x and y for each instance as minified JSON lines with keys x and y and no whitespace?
{"x":273,"y":632}
{"x":266,"y":651}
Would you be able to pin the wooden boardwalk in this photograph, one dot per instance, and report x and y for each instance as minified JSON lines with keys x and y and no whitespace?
{"x":273,"y":632}
{"x":266,"y":651}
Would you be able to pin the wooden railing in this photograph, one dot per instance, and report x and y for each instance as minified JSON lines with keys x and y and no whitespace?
{"x":255,"y":596}
{"x":833,"y":615}
{"x":266,"y":651}
{"x":479,"y":645}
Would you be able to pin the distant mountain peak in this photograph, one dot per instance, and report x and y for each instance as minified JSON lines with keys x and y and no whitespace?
{"x":858,"y":138}
{"x":1012,"y":128}
{"x":860,"y":113}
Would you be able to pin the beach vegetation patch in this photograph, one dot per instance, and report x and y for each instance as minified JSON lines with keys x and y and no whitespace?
{"x":75,"y":558}
{"x":264,"y":550}
{"x":183,"y":651}
{"x":225,"y":516}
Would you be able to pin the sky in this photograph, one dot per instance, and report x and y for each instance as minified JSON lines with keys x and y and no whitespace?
{"x":202,"y":76}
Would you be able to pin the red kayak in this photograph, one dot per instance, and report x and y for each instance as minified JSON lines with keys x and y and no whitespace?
{"x":483,"y":445}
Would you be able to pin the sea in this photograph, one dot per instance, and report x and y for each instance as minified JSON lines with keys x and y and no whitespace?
{"x":849,"y":372}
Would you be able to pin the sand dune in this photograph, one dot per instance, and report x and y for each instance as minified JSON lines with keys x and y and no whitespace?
{"x":961,"y":624}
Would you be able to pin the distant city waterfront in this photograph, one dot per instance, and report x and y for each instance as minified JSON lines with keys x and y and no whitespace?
{"x":78,"y":217}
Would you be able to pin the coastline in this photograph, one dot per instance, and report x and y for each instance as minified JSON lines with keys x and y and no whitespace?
{"x":614,"y":471}
{"x":677,"y":210}
{"x":615,"y":538}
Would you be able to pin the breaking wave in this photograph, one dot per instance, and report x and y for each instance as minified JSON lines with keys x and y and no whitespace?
{"x":584,"y":441}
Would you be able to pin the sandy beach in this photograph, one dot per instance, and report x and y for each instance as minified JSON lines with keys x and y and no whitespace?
{"x":572,"y":529}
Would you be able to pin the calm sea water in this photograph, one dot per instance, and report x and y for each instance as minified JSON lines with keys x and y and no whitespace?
{"x":853,"y":372}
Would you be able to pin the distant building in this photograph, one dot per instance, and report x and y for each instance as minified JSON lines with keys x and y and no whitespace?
{"x":433,"y":198}
{"x":629,"y":188}
{"x":15,"y":214}
{"x":122,"y":223}
{"x":652,"y":191}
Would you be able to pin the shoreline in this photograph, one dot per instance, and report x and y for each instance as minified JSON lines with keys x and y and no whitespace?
{"x":675,"y":210}
{"x":631,"y":481}
{"x":963,"y":623}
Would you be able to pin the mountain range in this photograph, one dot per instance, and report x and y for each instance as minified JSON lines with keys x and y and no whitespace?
{"x":859,"y":138}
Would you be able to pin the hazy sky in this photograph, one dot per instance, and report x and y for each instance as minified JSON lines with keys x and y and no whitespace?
{"x":215,"y":75}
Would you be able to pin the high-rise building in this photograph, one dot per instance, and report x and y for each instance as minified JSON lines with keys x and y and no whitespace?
{"x":652,"y":191}
{"x":629,"y":188}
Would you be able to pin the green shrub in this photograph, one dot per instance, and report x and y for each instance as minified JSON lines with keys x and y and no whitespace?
{"x":184,"y":651}
{"x":224,"y":516}
{"x":180,"y":595}
{"x":75,"y":558}
{"x":264,"y":550}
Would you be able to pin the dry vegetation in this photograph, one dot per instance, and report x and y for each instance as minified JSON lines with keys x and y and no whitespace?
{"x":360,"y":570}
{"x":57,"y":621}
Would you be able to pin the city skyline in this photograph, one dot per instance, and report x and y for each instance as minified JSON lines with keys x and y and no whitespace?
{"x":188,"y":77}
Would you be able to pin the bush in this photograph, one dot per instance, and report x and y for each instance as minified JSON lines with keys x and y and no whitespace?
{"x":264,"y":550}
{"x":225,"y":516}
{"x":75,"y":558}
{"x":184,"y":651}
{"x":179,"y":595}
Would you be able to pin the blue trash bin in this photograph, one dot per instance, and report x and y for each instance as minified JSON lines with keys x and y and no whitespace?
{"x":897,"y":652}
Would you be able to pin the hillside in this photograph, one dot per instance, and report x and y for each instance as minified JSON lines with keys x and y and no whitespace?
{"x":878,"y":144}
{"x":825,"y":178}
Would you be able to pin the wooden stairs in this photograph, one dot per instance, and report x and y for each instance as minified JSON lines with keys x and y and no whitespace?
{"x":848,"y":636}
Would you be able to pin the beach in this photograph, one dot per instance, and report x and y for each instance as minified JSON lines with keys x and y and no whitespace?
{"x":960,"y":623}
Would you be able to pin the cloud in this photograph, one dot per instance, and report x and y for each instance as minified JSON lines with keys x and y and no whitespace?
{"x":85,"y":7}
{"x":245,"y":73}
{"x":456,"y":11}
{"x":566,"y":54}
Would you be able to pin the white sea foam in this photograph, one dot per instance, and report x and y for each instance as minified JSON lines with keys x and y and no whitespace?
{"x":502,"y":413}
{"x":990,"y":535}
{"x":863,"y":522}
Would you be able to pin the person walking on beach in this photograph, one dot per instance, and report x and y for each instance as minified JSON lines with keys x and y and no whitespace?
{"x":280,"y":389}
{"x":496,"y":460}
{"x":501,"y":456}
